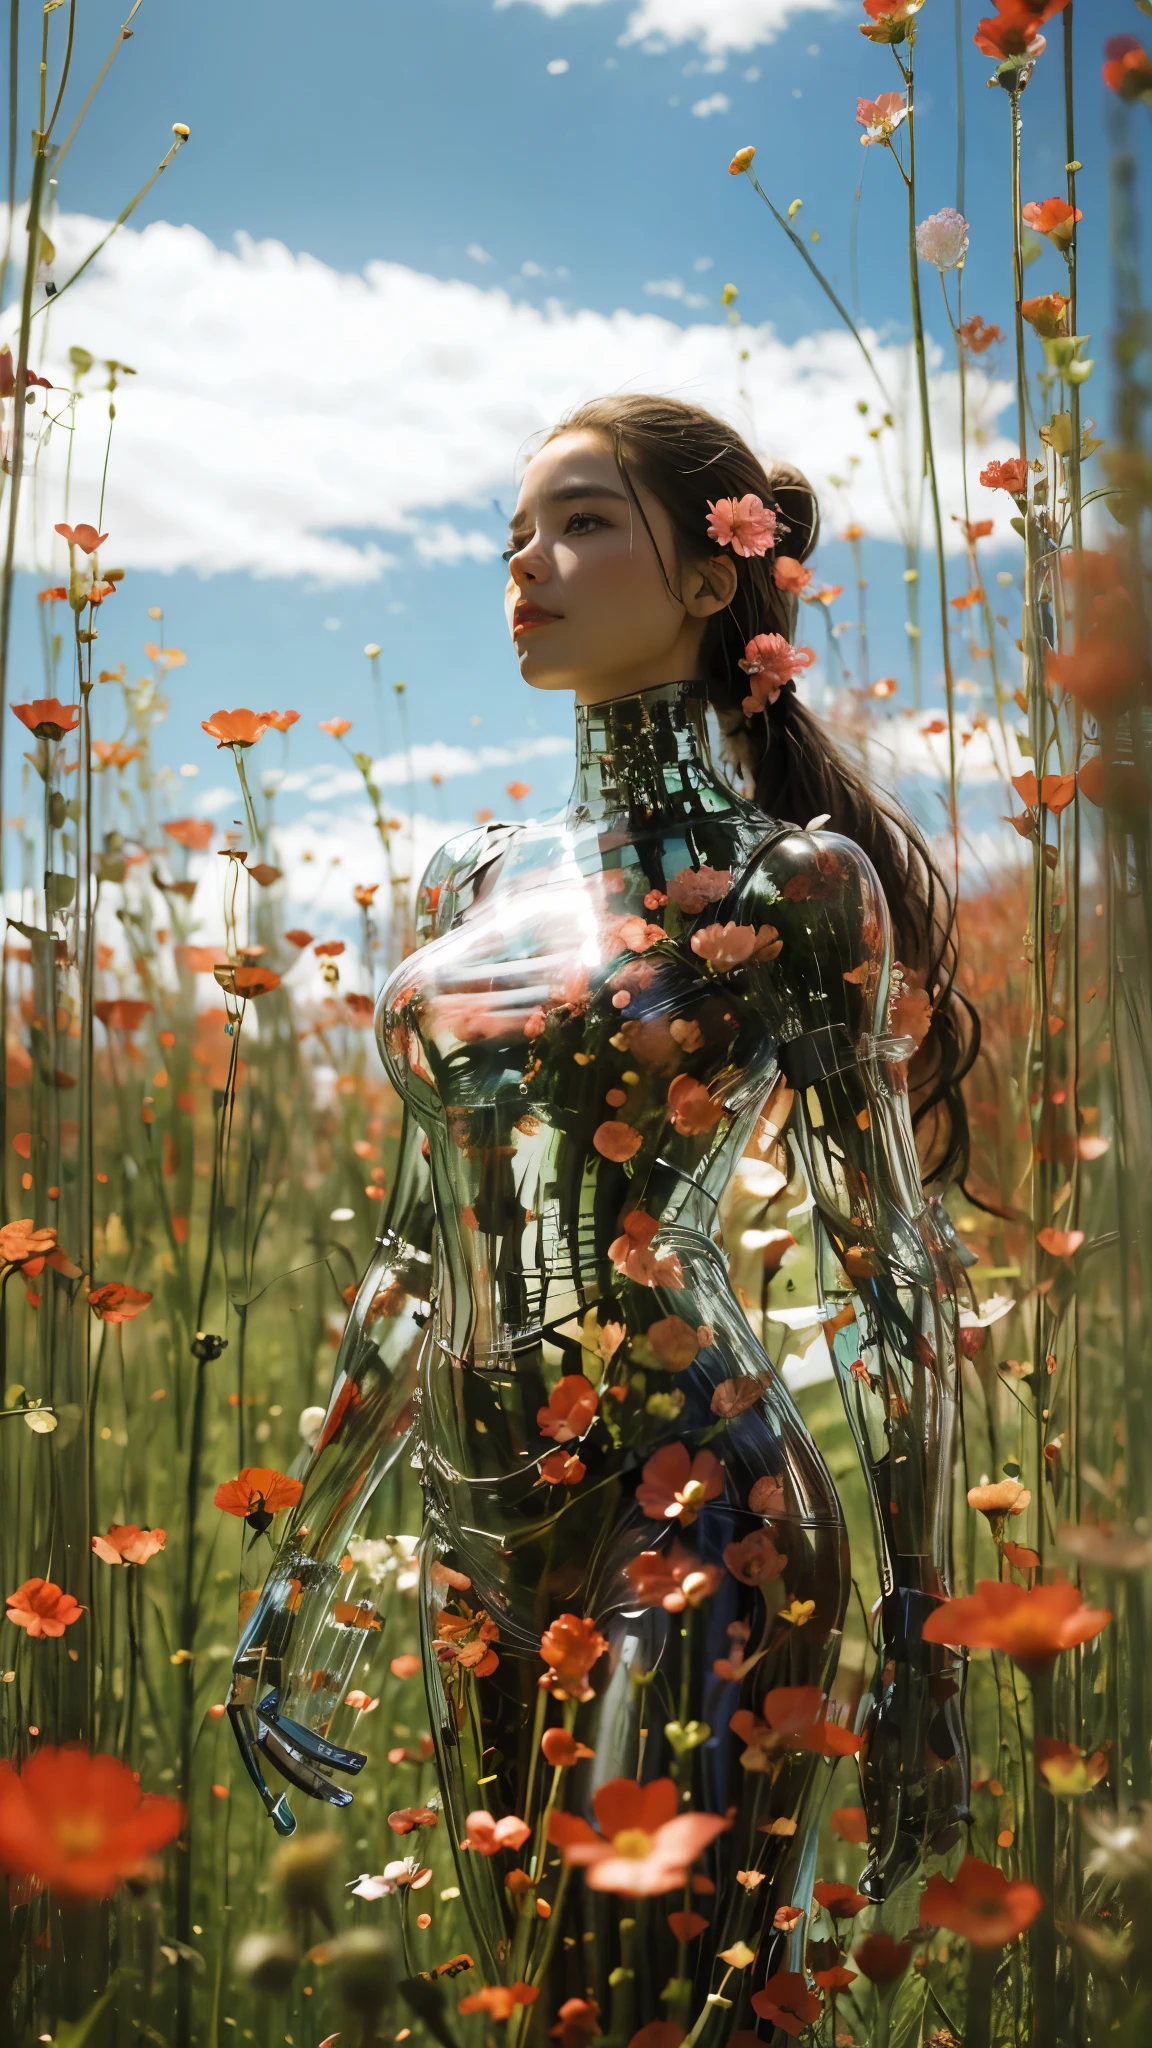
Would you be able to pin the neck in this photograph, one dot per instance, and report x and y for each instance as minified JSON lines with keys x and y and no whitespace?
{"x":646,"y":755}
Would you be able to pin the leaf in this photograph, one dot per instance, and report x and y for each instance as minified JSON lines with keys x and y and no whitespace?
{"x":59,"y":890}
{"x":74,"y":2033}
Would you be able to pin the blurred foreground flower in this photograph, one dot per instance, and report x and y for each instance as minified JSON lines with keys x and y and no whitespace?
{"x":115,"y":1302}
{"x":41,"y":1607}
{"x":646,"y":1844}
{"x":83,"y":536}
{"x":1128,"y":68}
{"x":23,"y":1245}
{"x":80,"y":1823}
{"x":980,"y":1903}
{"x":1067,"y":1771}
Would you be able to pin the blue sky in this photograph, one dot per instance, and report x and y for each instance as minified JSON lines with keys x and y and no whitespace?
{"x":435,"y":138}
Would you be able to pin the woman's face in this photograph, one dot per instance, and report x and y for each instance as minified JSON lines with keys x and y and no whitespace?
{"x":588,"y":601}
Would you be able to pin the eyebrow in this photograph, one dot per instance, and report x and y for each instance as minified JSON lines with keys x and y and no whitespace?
{"x":569,"y":491}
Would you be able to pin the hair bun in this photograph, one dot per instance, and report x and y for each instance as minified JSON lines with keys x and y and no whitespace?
{"x":795,"y":500}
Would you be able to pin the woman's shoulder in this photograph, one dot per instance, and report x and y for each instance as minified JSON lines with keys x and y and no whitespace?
{"x":807,"y":864}
{"x":454,"y":873}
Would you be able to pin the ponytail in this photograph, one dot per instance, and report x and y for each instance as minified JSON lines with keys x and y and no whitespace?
{"x":782,"y":756}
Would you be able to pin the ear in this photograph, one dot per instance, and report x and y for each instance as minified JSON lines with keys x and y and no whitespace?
{"x":709,"y":586}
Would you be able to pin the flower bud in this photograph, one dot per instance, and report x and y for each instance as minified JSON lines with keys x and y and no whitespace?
{"x":267,"y":1962}
{"x":181,"y":129}
{"x":741,"y":160}
{"x":302,"y":1874}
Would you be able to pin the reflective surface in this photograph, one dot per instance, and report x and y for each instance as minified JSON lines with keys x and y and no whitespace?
{"x":630,"y":1540}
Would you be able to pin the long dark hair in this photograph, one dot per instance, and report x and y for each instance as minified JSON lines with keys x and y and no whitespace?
{"x":686,"y":457}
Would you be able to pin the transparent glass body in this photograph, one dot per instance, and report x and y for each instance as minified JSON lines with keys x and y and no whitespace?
{"x":606,"y":1009}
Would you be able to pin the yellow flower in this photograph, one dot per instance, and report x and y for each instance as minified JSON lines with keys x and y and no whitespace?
{"x":798,"y":1612}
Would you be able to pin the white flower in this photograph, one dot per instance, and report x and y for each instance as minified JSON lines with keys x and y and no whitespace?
{"x":990,"y":1311}
{"x":388,"y":1882}
{"x":310,"y":1424}
{"x":942,"y":239}
{"x":385,"y":1557}
{"x":1123,"y":1848}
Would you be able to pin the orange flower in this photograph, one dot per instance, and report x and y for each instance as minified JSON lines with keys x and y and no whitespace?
{"x":42,"y":1608}
{"x":1067,"y":1771}
{"x":889,"y":19}
{"x":235,"y":728}
{"x":1054,"y":218}
{"x":281,"y":721}
{"x":632,"y":1254}
{"x":674,"y":1342}
{"x":117,"y":1303}
{"x":1032,"y":1624}
{"x":645,"y":1845}
{"x":851,"y":1824}
{"x":518,"y":791}
{"x":562,"y":1749}
{"x":250,"y":982}
{"x":675,"y":1486}
{"x":407,"y":1818}
{"x":329,"y":949}
{"x":977,"y":336}
{"x":981,"y":1904}
{"x":257,"y":1495}
{"x":21,"y":1244}
{"x":617,"y":1141}
{"x":83,"y":536}
{"x":742,"y":160}
{"x":354,"y":1613}
{"x":840,"y":1901}
{"x":1011,"y":34}
{"x":500,"y":2001}
{"x":1127,"y":70}
{"x":48,"y":718}
{"x":487,"y":1835}
{"x":1047,"y":316}
{"x":793,"y":1718}
{"x":121,"y":1013}
{"x":692,"y":1109}
{"x":1018,"y":1554}
{"x":298,"y":938}
{"x":572,"y":1408}
{"x":570,"y":1648}
{"x":127,"y":1543}
{"x":881,"y":1959}
{"x":787,"y":2002}
{"x":560,"y":1468}
{"x":80,"y":1824}
{"x":114,"y":754}
{"x":1006,"y":1497}
{"x":1060,"y":1243}
{"x":754,"y":1559}
{"x":673,"y":1579}
{"x":1010,"y":476}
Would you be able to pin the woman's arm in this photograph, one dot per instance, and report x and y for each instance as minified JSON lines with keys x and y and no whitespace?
{"x":888,"y":1282}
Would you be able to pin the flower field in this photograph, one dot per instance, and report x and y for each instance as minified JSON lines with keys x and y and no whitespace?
{"x":199,"y":1148}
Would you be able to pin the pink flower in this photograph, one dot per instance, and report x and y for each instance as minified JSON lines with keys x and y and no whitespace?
{"x":731,"y":945}
{"x":942,"y":239}
{"x":692,"y":1108}
{"x":571,"y":1410}
{"x":126,"y":1543}
{"x":675,"y":1486}
{"x":769,"y":662}
{"x":790,"y":574}
{"x":632,"y":1255}
{"x":615,"y":1140}
{"x":881,"y":118}
{"x":647,"y":1844}
{"x":694,"y":888}
{"x":1011,"y":476}
{"x":674,"y":1341}
{"x":488,"y":1836}
{"x":746,"y":525}
{"x":754,"y":1559}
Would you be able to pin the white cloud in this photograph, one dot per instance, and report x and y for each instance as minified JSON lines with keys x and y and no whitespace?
{"x":716,"y":103}
{"x":288,"y":419}
{"x":435,"y":757}
{"x":477,"y":253}
{"x":557,"y":67}
{"x":718,"y":25}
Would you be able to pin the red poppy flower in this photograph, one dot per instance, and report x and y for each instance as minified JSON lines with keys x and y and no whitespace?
{"x":560,"y":1468}
{"x":257,"y":1494}
{"x":500,"y":2001}
{"x":48,"y":718}
{"x":1128,"y":68}
{"x":570,"y":1647}
{"x":673,"y":1579}
{"x":615,"y":1140}
{"x":675,"y":1486}
{"x":646,"y":1842}
{"x":577,"y":2022}
{"x":787,"y":2002}
{"x":1009,"y":35}
{"x":1011,"y":476}
{"x":686,"y":1926}
{"x":80,"y":1823}
{"x":562,"y":1749}
{"x":299,"y":939}
{"x":881,"y":1959}
{"x":841,"y":1901}
{"x":1054,"y":218}
{"x":329,"y":949}
{"x":42,"y":1608}
{"x":82,"y":536}
{"x":793,"y":1718}
{"x":236,"y":728}
{"x":127,"y":1543}
{"x":850,"y":1823}
{"x":572,"y":1409}
{"x":116,"y":1302}
{"x":890,"y":19}
{"x":1033,"y":1624}
{"x":264,"y":874}
{"x":407,"y":1818}
{"x":58,"y":593}
{"x":250,"y":982}
{"x":122,"y":1014}
{"x":980,"y":1904}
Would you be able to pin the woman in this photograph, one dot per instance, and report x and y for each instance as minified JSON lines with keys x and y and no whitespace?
{"x":634,"y":1563}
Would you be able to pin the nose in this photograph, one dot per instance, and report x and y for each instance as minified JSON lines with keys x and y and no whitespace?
{"x":527,"y":565}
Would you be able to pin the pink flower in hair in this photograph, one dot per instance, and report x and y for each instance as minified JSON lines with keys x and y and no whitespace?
{"x":769,"y":662}
{"x":746,"y":525}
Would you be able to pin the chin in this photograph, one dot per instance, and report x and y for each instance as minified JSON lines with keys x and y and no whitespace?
{"x":538,"y":677}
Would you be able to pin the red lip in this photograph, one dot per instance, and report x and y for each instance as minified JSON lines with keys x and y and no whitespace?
{"x":526,"y":615}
